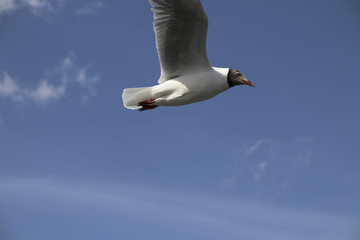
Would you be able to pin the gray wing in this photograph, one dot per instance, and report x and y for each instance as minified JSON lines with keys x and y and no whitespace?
{"x":180,"y":28}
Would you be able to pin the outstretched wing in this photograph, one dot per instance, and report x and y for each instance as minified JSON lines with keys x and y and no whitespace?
{"x":180,"y":28}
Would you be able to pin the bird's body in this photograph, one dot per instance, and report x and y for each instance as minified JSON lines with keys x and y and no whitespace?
{"x":181,"y":90}
{"x":186,"y":75}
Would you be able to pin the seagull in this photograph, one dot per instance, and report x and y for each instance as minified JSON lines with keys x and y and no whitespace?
{"x":186,"y":75}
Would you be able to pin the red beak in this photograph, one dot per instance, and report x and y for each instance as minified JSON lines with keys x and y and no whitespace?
{"x":250,"y":83}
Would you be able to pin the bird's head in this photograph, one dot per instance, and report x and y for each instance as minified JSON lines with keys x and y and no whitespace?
{"x":235,"y":77}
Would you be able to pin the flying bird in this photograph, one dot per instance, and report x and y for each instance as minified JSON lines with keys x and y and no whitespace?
{"x":186,"y":76}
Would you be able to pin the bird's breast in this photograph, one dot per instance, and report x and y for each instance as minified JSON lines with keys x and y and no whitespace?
{"x":194,"y":88}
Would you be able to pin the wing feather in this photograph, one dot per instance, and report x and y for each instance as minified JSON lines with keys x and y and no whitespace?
{"x":180,"y":27}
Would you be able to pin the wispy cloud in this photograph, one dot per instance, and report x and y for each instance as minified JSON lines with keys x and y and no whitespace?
{"x":265,"y":156}
{"x":90,"y":8}
{"x":36,"y":6}
{"x":53,"y":85}
{"x":9,"y":88}
{"x":260,"y":146}
{"x":7,"y":6}
{"x":216,"y":215}
{"x":251,"y":149}
{"x":260,"y":170}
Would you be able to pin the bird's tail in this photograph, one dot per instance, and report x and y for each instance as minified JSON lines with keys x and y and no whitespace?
{"x":132,"y":96}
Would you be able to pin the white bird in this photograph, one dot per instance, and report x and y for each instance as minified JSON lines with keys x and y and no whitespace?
{"x":186,"y":76}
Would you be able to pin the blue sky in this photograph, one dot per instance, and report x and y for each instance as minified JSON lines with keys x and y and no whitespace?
{"x":279,"y":161}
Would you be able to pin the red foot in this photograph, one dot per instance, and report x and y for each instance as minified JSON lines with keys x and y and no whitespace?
{"x":147,"y":105}
{"x":147,"y":102}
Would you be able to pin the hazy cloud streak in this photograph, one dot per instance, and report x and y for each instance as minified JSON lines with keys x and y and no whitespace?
{"x":36,"y":6}
{"x":218,"y":215}
{"x":261,"y":158}
{"x":90,"y":8}
{"x":7,"y":5}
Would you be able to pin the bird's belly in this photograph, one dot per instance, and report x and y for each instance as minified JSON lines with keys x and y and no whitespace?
{"x":193,"y":97}
{"x":183,"y":100}
{"x":191,"y":93}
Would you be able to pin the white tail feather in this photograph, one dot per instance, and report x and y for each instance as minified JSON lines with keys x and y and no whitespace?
{"x":132,"y":96}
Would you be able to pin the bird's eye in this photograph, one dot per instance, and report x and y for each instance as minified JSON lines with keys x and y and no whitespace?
{"x":238,"y":74}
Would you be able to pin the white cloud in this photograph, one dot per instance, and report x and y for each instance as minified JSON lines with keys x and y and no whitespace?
{"x":7,"y":5}
{"x":250,"y":152}
{"x":260,"y":170}
{"x":46,"y":92}
{"x":256,"y":146}
{"x":257,"y":157}
{"x":209,"y":214}
{"x":53,"y":85}
{"x":90,"y":8}
{"x":36,"y":6}
{"x":36,"y":3}
{"x":9,"y":88}
{"x":262,"y":166}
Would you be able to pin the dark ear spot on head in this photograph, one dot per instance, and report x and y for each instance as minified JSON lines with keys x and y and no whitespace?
{"x":231,"y":77}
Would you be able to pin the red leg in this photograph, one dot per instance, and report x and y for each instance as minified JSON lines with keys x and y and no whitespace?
{"x":147,"y":102}
{"x":147,"y":105}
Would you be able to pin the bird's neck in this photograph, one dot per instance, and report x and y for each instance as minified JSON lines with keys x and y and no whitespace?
{"x":223,"y":72}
